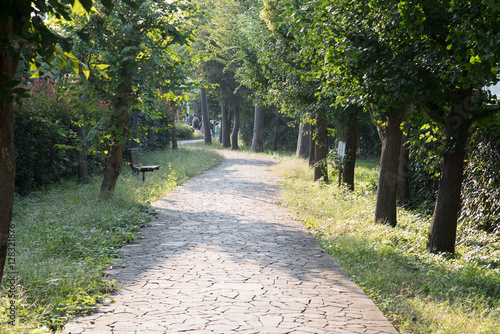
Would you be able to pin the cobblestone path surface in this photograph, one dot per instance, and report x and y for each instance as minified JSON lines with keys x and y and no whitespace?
{"x":222,"y":257}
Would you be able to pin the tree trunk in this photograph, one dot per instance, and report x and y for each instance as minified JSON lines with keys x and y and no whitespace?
{"x":443,"y":231}
{"x":351,"y":147}
{"x":276,"y":133}
{"x":81,"y":157}
{"x":226,"y":129}
{"x":174,"y":137}
{"x":113,"y":167}
{"x":321,"y":150}
{"x":403,"y":187}
{"x":8,"y":67}
{"x":173,"y":113}
{"x":236,"y":128}
{"x":312,"y":145}
{"x":258,"y":130}
{"x":385,"y":208}
{"x":220,"y":132}
{"x":303,"y":141}
{"x":204,"y":118}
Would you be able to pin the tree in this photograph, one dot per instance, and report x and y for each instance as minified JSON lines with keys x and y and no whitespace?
{"x":389,"y":56}
{"x":135,"y":39}
{"x":390,"y":135}
{"x":23,"y":34}
{"x":218,"y":65}
{"x":458,"y":40}
{"x":205,"y":118}
{"x":348,"y":132}
{"x":226,"y":127}
{"x":236,"y":128}
{"x":321,"y":149}
{"x":303,"y":140}
{"x":362,"y":65}
{"x":258,"y":129}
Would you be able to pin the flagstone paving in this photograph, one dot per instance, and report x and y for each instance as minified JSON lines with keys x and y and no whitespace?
{"x":222,"y":257}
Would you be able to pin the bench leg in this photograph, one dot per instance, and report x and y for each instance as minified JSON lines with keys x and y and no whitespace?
{"x":143,"y":173}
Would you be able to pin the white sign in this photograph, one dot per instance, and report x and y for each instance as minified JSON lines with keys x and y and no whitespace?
{"x":341,"y":149}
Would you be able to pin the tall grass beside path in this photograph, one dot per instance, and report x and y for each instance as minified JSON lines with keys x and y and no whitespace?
{"x":417,"y":291}
{"x":67,"y":236}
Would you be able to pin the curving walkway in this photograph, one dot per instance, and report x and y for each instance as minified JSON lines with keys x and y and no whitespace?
{"x":222,"y":257}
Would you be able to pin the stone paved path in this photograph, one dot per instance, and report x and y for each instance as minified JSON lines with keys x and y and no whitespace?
{"x":222,"y":257}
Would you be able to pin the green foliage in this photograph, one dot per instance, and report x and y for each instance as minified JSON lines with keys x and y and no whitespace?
{"x":426,"y":158}
{"x":481,"y":187}
{"x":67,"y":236}
{"x":44,"y":137}
{"x":184,"y":131}
{"x":154,"y":130}
{"x":216,"y":47}
{"x":419,"y":292}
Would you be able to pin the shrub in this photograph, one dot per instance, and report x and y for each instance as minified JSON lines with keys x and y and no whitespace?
{"x":481,"y":187}
{"x":43,"y":135}
{"x":184,"y":131}
{"x":425,"y":165}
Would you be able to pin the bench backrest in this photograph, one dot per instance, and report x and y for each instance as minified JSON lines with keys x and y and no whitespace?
{"x":134,"y":156}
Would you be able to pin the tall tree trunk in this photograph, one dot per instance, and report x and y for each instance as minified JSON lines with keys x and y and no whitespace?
{"x":276,"y":132}
{"x":385,"y":208}
{"x":204,"y":118}
{"x":8,"y":67}
{"x":321,"y":150}
{"x":403,"y":187}
{"x":303,"y":141}
{"x":312,"y":145}
{"x":258,"y":130}
{"x":236,"y":128}
{"x":81,"y":157}
{"x":226,"y":128}
{"x":351,"y":147}
{"x":113,"y":167}
{"x":443,"y":231}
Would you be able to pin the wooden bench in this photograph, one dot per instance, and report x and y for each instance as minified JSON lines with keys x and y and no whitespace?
{"x":136,"y":165}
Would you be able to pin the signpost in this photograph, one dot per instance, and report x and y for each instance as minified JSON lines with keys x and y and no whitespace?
{"x":340,"y":155}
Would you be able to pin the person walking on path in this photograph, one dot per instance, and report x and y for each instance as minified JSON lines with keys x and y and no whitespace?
{"x":196,"y":122}
{"x":234,"y":262}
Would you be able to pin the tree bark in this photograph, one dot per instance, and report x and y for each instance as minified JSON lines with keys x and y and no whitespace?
{"x":385,"y":208}
{"x":8,"y":67}
{"x":443,"y":231}
{"x":204,"y":118}
{"x":226,"y":128}
{"x":276,"y":132}
{"x":174,"y":137}
{"x":173,"y":113}
{"x":321,"y":150}
{"x":403,"y":187}
{"x":303,"y":141}
{"x":236,"y":128}
{"x":312,"y":145}
{"x":81,"y":157}
{"x":113,"y":167}
{"x":258,"y":130}
{"x":351,"y":147}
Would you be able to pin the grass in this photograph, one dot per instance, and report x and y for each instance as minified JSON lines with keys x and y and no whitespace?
{"x":66,"y":237}
{"x":418,"y":292}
